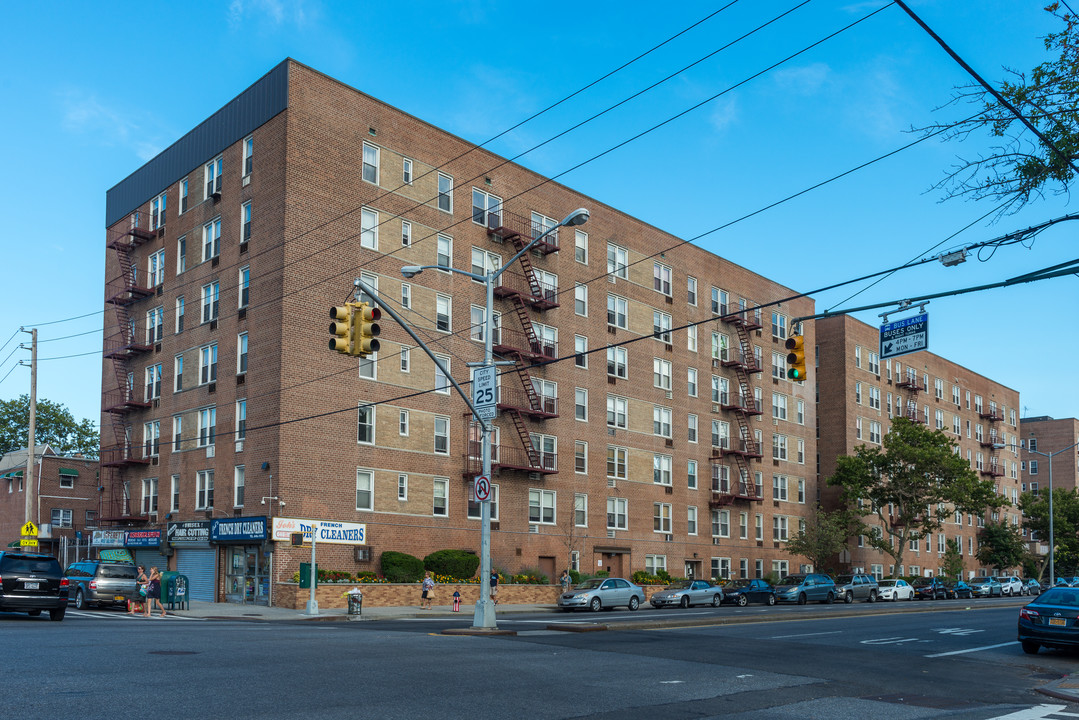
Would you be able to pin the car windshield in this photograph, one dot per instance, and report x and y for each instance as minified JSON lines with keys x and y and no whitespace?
{"x":886,"y":583}
{"x":793,"y":580}
{"x":24,"y":564}
{"x":1059,"y":596}
{"x":680,"y":585}
{"x":844,"y":579}
{"x":590,"y":584}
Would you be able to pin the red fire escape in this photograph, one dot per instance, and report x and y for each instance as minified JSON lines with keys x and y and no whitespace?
{"x":525,"y":347}
{"x":994,"y":441}
{"x":910,"y":409}
{"x":743,"y":448}
{"x":127,"y":343}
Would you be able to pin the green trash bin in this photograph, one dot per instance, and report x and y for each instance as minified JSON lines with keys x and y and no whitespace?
{"x":174,"y":591}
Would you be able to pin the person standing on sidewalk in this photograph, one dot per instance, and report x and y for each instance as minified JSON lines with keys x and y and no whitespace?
{"x":153,"y":593}
{"x":564,"y":580}
{"x":135,"y":603}
{"x":427,"y":589}
{"x":494,"y":587}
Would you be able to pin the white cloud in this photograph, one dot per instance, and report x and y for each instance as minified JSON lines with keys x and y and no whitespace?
{"x":805,"y":80}
{"x":270,"y":12}
{"x":724,"y":113}
{"x":84,"y":113}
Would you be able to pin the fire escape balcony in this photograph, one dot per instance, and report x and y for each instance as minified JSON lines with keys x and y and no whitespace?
{"x":745,"y":361}
{"x":726,"y":495}
{"x":132,"y":236}
{"x":125,"y":292}
{"x":122,"y":401}
{"x":991,"y":441}
{"x":744,"y":448}
{"x":542,"y":296}
{"x":519,"y":399}
{"x":750,"y":319}
{"x":122,"y":456}
{"x":508,"y":457}
{"x":910,"y":383}
{"x":992,"y":415}
{"x":993,"y":470}
{"x":506,"y":341}
{"x":744,"y":405}
{"x":121,"y":345}
{"x":520,"y":231}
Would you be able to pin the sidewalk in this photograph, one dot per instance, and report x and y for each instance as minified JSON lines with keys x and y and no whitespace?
{"x":256,"y":613}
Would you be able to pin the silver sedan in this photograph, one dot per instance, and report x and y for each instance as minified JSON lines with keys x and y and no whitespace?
{"x":597,"y":594}
{"x":688,"y":592}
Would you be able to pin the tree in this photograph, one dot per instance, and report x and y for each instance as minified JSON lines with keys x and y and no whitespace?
{"x":1020,"y":167}
{"x":911,"y":484}
{"x":53,"y":425}
{"x":952,"y":563}
{"x":824,"y":535}
{"x":1001,"y":546}
{"x":1035,"y":509}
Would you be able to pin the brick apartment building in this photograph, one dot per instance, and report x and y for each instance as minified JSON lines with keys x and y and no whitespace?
{"x":858,"y":395}
{"x":1053,"y":437}
{"x":222,"y":403}
{"x":65,"y":500}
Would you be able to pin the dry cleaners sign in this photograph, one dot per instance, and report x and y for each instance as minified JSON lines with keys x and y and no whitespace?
{"x":328,"y":531}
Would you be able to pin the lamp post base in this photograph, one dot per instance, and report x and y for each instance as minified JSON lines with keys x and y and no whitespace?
{"x":312,"y":607}
{"x":484,"y":619}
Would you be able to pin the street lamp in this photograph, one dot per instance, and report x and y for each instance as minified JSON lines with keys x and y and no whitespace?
{"x":485,"y":612}
{"x":1050,"y":456}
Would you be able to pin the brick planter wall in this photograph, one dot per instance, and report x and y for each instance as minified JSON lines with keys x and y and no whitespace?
{"x":289,"y":595}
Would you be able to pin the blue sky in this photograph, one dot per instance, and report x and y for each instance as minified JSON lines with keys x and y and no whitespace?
{"x":93,"y":91}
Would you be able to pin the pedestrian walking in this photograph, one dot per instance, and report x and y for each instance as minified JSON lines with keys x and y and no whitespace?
{"x":136,"y":602}
{"x":427,"y":590}
{"x":153,"y":592}
{"x":494,"y":586}
{"x":564,"y":580}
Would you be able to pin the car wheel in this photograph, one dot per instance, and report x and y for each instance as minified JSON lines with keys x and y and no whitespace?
{"x":872,"y":596}
{"x":635,"y":602}
{"x":848,"y":597}
{"x":771,"y":599}
{"x":595,"y":605}
{"x":830,"y":599}
{"x":742,"y":601}
{"x":802,"y":599}
{"x":80,"y":600}
{"x":911,"y":596}
{"x":1030,"y":647}
{"x":685,"y":601}
{"x":57,"y":614}
{"x":33,"y":613}
{"x":717,"y":601}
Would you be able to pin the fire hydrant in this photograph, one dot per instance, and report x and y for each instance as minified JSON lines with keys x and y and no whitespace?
{"x":456,"y":600}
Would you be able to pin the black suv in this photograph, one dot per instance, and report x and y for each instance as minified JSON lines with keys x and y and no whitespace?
{"x":31,"y":583}
{"x":95,"y":583}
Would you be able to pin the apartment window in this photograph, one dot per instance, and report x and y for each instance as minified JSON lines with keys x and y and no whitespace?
{"x":743,"y":525}
{"x":721,"y":523}
{"x":874,"y":398}
{"x":858,"y":357}
{"x":442,"y":381}
{"x":370,"y":163}
{"x":661,"y":373}
{"x":779,"y":487}
{"x":874,"y":363}
{"x":406,"y":233}
{"x":616,"y":411}
{"x":365,"y":491}
{"x":691,"y":290}
{"x":661,"y":326}
{"x":442,"y":313}
{"x":691,"y":520}
{"x":580,"y":247}
{"x":177,"y":432}
{"x":1033,"y":467}
{"x":691,"y":338}
{"x":406,"y":171}
{"x":149,"y":496}
{"x":616,"y":462}
{"x":402,"y":487}
{"x":245,"y":224}
{"x":779,"y":365}
{"x":720,"y":389}
{"x":779,"y":447}
{"x":616,"y":362}
{"x":245,"y":286}
{"x":721,"y":434}
{"x":858,"y":428}
{"x":661,"y":469}
{"x":248,"y":154}
{"x":580,"y":510}
{"x":183,"y":196}
{"x":155,"y":324}
{"x":440,"y":498}
{"x":180,"y":314}
{"x":580,"y":457}
{"x":365,"y":424}
{"x":207,"y":426}
{"x":617,"y":260}
{"x":208,"y":364}
{"x":692,"y":428}
{"x":858,"y":393}
{"x":241,"y":353}
{"x":175,"y":494}
{"x":474,"y":508}
{"x":779,"y":406}
{"x":691,"y":382}
{"x":368,"y":229}
{"x":213,"y":176}
{"x":617,"y":514}
{"x":661,"y":421}
{"x":580,"y":300}
{"x":486,"y":209}
{"x":156,"y":263}
{"x":661,"y":279}
{"x":779,"y":326}
{"x":691,"y":474}
{"x":238,"y":486}
{"x":484,"y":262}
{"x":151,"y":439}
{"x":719,"y":301}
{"x":580,"y":350}
{"x":204,"y":489}
{"x":181,"y":255}
{"x":445,"y":193}
{"x":241,"y":419}
{"x":758,"y":526}
{"x":211,"y":296}
{"x":153,"y":382}
{"x":779,"y":528}
{"x":541,"y":506}
{"x":617,"y":309}
{"x":444,"y":251}
{"x":211,"y":239}
{"x":661,"y":517}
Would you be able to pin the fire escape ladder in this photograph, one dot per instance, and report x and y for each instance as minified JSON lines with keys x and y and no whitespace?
{"x":526,"y":438}
{"x":526,"y":323}
{"x":529,"y":273}
{"x":534,"y":400}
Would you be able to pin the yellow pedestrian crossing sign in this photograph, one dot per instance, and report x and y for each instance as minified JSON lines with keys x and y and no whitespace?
{"x":29,"y":530}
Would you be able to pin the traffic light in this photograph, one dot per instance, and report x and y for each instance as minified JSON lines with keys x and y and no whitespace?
{"x":341,"y":328}
{"x":365,"y":329}
{"x":796,"y":358}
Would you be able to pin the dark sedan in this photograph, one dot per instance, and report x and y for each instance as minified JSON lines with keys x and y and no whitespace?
{"x":743,"y":592}
{"x":929,"y":588}
{"x":1051,"y":620}
{"x":958,"y":589}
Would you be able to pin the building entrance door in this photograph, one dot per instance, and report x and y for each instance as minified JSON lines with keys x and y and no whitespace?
{"x":248,"y":580}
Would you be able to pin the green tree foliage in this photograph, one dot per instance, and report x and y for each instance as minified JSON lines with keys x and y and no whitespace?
{"x":1065,"y":523}
{"x":1020,"y":167}
{"x":910,"y":485}
{"x":1001,"y":546}
{"x":53,"y":424}
{"x":952,"y":562}
{"x":400,"y":567}
{"x":459,"y":564}
{"x":825,"y":534}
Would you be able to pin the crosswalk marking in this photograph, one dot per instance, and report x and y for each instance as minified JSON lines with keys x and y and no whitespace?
{"x":1038,"y":712}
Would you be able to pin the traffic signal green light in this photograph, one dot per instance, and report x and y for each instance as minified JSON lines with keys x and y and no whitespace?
{"x":796,"y":358}
{"x":365,"y":329}
{"x":341,"y":328}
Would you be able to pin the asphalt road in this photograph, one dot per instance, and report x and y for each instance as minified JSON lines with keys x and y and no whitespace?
{"x":896,"y":664}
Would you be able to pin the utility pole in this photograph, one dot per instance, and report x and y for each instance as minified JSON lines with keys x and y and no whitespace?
{"x":28,"y":478}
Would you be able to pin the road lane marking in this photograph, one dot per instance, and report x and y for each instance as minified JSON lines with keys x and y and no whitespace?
{"x":1038,"y":712}
{"x":970,"y":650}
{"x":889,"y":641}
{"x":780,"y":637}
{"x":956,"y":631}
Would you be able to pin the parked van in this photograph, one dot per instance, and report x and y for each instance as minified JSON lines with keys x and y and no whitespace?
{"x":95,"y":583}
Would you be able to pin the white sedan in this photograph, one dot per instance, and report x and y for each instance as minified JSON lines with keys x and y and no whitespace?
{"x":895,"y":590}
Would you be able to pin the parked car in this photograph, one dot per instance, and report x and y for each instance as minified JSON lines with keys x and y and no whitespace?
{"x":849,"y":588}
{"x":96,"y":583}
{"x":984,"y":586}
{"x":743,"y":592}
{"x":1033,"y":587}
{"x":956,"y":589}
{"x":688,"y":592}
{"x":803,"y":588}
{"x":929,"y":588}
{"x":602,"y":593}
{"x":1050,"y":620}
{"x":1010,"y":585}
{"x":30,"y":583}
{"x":895,"y":590}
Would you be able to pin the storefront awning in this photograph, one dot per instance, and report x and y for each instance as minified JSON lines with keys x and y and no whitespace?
{"x":69,"y":471}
